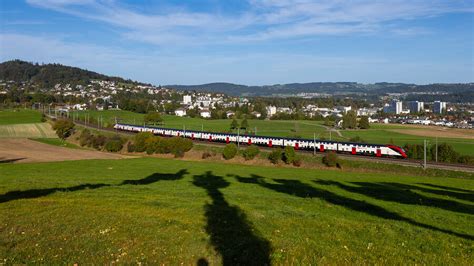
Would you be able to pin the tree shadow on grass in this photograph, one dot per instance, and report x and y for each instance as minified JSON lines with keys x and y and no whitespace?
{"x":37,"y":193}
{"x":401,"y":193}
{"x":298,"y":189}
{"x":232,"y":235}
{"x":447,"y":188}
{"x":156,"y":177}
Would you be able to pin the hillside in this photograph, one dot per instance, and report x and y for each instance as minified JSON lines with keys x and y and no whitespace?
{"x":47,"y":75}
{"x":332,"y":88}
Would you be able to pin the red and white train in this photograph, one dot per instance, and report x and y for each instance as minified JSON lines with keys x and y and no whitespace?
{"x":376,"y":150}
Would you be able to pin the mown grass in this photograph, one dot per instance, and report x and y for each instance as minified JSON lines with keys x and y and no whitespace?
{"x":34,"y":130}
{"x":379,"y":134}
{"x":171,"y":211}
{"x":19,"y":116}
{"x":56,"y":142}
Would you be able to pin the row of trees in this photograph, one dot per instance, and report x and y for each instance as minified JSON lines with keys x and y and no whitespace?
{"x":445,"y":153}
{"x":349,"y":121}
{"x":149,"y":143}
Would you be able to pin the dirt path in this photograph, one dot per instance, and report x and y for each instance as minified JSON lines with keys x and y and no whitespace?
{"x":27,"y":151}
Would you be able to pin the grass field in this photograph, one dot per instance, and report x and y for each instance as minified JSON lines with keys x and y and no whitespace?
{"x":379,"y":133}
{"x":179,"y":212}
{"x":34,"y":130}
{"x":57,"y":142}
{"x":19,"y":116}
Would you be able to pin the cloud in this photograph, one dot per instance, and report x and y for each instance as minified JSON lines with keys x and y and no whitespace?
{"x":260,"y":20}
{"x":254,"y":68}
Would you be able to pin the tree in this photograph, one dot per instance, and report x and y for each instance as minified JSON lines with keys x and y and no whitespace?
{"x":244,"y":124}
{"x":153,"y":117}
{"x":275,"y":156}
{"x":63,"y":128}
{"x":289,"y":155}
{"x":230,"y":151}
{"x":234,"y":124}
{"x":331,"y":159}
{"x":251,"y":152}
{"x":349,"y":120}
{"x":364,"y":122}
{"x":114,"y":144}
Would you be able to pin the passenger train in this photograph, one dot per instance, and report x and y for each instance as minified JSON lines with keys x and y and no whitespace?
{"x":365,"y":149}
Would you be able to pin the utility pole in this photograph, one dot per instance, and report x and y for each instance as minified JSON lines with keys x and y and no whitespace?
{"x":424,"y":157}
{"x":314,"y":143}
{"x":238,"y":138}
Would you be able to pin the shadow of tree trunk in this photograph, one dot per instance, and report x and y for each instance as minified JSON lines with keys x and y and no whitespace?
{"x":232,"y":235}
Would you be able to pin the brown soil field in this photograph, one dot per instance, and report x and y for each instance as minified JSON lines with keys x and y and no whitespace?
{"x":27,"y":151}
{"x":442,"y":132}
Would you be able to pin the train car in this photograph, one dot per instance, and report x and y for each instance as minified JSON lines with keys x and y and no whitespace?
{"x":362,"y":149}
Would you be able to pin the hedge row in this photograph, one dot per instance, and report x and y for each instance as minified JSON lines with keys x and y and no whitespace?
{"x":149,"y":143}
{"x":101,"y":142}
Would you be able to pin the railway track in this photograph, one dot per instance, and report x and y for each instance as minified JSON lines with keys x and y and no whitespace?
{"x":403,"y":162}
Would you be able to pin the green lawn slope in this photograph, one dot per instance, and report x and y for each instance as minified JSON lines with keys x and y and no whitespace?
{"x":165,"y":211}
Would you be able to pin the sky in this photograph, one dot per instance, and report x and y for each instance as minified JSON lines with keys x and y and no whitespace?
{"x":252,"y":42}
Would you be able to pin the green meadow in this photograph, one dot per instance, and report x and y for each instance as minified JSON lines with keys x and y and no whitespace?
{"x":150,"y":210}
{"x":379,"y":133}
{"x":19,"y":116}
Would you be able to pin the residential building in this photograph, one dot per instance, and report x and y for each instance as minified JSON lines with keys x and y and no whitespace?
{"x":395,"y":107}
{"x":205,"y":114}
{"x":271,"y":110}
{"x":416,"y":106}
{"x":180,"y":112}
{"x":439,"y":107}
{"x":187,"y":99}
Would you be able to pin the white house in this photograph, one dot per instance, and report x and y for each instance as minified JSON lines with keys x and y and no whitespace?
{"x":229,"y":114}
{"x":180,"y":112}
{"x":271,"y":110}
{"x":187,"y":99}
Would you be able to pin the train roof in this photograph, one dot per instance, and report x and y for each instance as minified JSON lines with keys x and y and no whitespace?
{"x":261,"y":136}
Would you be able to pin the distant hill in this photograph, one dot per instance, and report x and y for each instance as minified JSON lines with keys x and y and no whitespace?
{"x":47,"y":75}
{"x":327,"y":88}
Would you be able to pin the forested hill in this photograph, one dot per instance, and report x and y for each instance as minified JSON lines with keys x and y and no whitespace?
{"x":47,"y":75}
{"x":329,"y":88}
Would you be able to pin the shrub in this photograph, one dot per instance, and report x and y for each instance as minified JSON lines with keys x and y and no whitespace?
{"x":331,"y":159}
{"x":63,"y":128}
{"x":140,"y":141}
{"x":298,"y":161}
{"x":206,"y":155}
{"x":85,"y":139}
{"x":230,"y":151}
{"x":164,"y":146}
{"x":152,"y":144}
{"x":98,"y":142}
{"x":466,"y":159}
{"x":289,"y":155}
{"x":251,"y":152}
{"x":153,"y":117}
{"x":275,"y":156}
{"x":114,"y":144}
{"x":130,"y":147}
{"x":179,"y":146}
